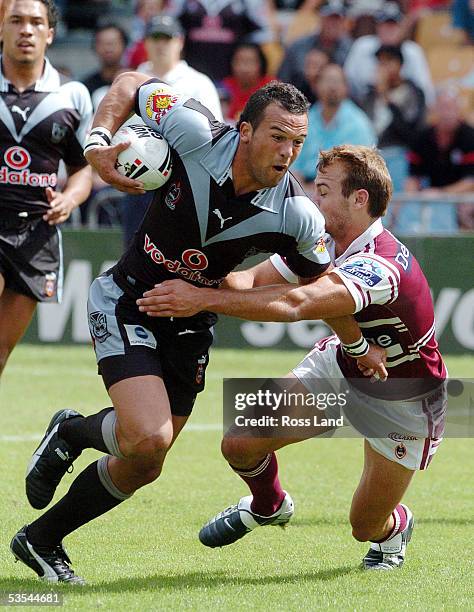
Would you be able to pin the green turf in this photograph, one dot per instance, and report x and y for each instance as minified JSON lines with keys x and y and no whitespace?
{"x":145,"y":555}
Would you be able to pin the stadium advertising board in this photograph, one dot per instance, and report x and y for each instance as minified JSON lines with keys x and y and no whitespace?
{"x":447,"y":262}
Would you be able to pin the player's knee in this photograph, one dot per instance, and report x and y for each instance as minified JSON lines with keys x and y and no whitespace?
{"x":151,"y":446}
{"x":240,"y":452}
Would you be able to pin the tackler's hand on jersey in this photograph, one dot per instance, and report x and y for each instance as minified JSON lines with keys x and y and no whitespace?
{"x":103,"y":160}
{"x":173,"y":298}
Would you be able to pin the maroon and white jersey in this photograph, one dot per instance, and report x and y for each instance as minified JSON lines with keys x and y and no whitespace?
{"x":394,"y":308}
{"x":40,"y":126}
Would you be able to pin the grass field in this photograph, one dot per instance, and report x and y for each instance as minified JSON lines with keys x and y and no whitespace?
{"x":145,"y":555}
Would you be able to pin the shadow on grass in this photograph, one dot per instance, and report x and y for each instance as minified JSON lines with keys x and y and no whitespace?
{"x":176,"y":582}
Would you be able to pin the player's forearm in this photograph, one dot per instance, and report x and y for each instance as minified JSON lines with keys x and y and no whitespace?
{"x":78,"y":186}
{"x":119,"y":101}
{"x":346,"y":328}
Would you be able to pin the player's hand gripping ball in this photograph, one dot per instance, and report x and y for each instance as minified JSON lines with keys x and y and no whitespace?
{"x":147,"y":159}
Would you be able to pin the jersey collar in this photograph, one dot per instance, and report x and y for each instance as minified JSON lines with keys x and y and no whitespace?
{"x":49,"y":80}
{"x":358,"y":245}
{"x":218,"y":162}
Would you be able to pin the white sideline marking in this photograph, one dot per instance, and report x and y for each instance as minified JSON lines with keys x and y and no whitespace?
{"x":36,"y":437}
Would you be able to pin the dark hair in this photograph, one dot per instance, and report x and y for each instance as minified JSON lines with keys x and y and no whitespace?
{"x":285,"y":94}
{"x":52,"y":11}
{"x":262,"y":60}
{"x":365,"y":169}
{"x":111,"y":26}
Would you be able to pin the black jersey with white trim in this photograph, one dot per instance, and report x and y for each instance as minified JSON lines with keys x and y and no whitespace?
{"x":196,"y":227}
{"x":38,"y":127}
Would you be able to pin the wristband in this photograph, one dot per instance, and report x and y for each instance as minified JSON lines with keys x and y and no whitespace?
{"x":98,"y":137}
{"x":356,"y":349}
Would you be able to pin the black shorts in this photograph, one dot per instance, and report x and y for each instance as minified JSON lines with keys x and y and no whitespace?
{"x":31,"y":258}
{"x":128,"y":343}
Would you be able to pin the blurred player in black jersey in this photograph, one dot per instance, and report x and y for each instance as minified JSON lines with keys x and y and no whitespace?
{"x":43,"y":119}
{"x":230,"y":195}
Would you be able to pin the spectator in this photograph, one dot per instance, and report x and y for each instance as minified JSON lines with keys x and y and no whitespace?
{"x":164,"y":42}
{"x":249,"y":73}
{"x":396,"y":107}
{"x":331,"y":38}
{"x":110,"y":42}
{"x":213,"y":29}
{"x":145,"y":10}
{"x":441,"y":162}
{"x":333,"y":120}
{"x":314,"y":62}
{"x":361,"y":63}
{"x":463,"y":18}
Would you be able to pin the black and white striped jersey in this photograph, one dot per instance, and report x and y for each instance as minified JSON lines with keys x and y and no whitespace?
{"x":38,"y":127}
{"x":196,"y":227}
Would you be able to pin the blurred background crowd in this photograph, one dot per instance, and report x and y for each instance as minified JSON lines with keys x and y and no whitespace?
{"x":399,"y":75}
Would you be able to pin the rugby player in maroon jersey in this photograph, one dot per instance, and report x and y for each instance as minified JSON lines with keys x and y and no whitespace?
{"x":377,"y":279}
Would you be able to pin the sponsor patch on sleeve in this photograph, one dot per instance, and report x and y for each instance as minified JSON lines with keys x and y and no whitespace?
{"x":160,"y":102}
{"x":365,"y":270}
{"x":140,"y":336}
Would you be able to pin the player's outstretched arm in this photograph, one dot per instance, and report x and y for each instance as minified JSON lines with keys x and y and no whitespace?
{"x":325,"y":298}
{"x":114,"y":109}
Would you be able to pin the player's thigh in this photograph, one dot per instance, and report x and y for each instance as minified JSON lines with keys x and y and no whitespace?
{"x":2,"y":283}
{"x":16,"y":311}
{"x":382,"y":486}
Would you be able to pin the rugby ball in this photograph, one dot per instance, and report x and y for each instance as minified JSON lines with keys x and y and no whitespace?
{"x":147,"y":159}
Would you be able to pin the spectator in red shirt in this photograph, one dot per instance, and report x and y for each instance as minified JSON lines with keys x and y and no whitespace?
{"x":249,"y":73}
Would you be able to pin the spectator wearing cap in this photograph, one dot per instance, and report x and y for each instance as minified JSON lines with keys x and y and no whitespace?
{"x":333,"y":120}
{"x":330,"y":38}
{"x":164,"y":41}
{"x":396,"y":107}
{"x":214,"y":28}
{"x":361,"y":63}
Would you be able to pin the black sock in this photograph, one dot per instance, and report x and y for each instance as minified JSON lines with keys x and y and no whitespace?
{"x":85,"y":432}
{"x":86,"y":499}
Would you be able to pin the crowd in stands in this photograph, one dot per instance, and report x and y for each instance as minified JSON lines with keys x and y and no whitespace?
{"x":398,"y":75}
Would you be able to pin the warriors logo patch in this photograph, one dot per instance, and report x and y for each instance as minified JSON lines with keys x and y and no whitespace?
{"x":50,"y":284}
{"x":173,"y":196}
{"x":98,"y":326}
{"x":400,"y":451}
{"x":200,"y":369}
{"x":159,"y":103}
{"x":58,"y":132}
